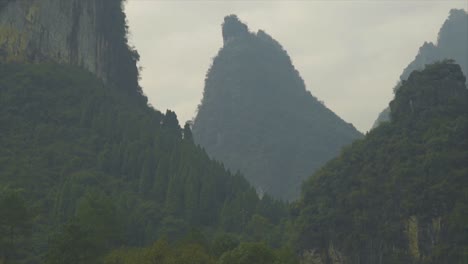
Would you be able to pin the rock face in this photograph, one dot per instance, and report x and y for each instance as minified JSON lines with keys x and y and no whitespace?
{"x":257,"y":117}
{"x":452,"y":43}
{"x":400,"y":194}
{"x":87,"y":33}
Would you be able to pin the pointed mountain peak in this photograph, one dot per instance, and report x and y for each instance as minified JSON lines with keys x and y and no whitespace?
{"x":457,"y":13}
{"x":454,"y":28}
{"x":233,"y":28}
{"x":257,"y":117}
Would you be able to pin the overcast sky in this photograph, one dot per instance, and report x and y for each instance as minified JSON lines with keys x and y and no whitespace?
{"x":349,"y":53}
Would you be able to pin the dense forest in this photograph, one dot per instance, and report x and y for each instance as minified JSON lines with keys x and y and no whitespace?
{"x":400,"y":195}
{"x":90,"y":174}
{"x":102,"y":170}
{"x":452,"y":43}
{"x":257,"y":117}
{"x":87,"y":169}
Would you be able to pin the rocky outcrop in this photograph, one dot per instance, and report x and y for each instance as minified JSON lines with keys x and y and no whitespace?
{"x":87,"y":33}
{"x":423,"y":237}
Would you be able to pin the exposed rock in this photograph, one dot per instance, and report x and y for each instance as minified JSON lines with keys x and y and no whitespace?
{"x":423,"y":237}
{"x":87,"y":33}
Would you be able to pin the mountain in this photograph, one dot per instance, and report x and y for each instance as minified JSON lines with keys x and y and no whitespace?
{"x":399,"y":195}
{"x":87,"y":33}
{"x":257,"y":117}
{"x":452,"y":43}
{"x":86,"y":166}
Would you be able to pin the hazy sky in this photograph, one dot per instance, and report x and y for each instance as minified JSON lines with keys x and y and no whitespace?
{"x":349,"y":53}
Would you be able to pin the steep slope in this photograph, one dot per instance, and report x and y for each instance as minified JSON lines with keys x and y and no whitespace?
{"x":82,"y":151}
{"x":87,"y":33}
{"x":83,"y":156}
{"x":257,"y":117}
{"x":400,"y":195}
{"x":452,"y":43}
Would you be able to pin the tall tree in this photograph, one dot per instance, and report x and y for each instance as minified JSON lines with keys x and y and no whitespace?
{"x":15,"y":223}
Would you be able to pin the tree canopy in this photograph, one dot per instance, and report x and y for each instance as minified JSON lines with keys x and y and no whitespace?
{"x":103,"y":170}
{"x":400,"y":194}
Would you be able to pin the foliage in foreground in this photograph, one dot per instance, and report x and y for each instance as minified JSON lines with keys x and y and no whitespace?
{"x":400,"y":195}
{"x":102,"y":166}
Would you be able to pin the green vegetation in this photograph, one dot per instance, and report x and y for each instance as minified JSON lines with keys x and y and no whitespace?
{"x":89,"y":174}
{"x":122,"y":59}
{"x":162,"y":253}
{"x":400,"y":195}
{"x":101,"y":170}
{"x":452,"y":43}
{"x":201,"y":252}
{"x":257,"y":117}
{"x":15,"y":224}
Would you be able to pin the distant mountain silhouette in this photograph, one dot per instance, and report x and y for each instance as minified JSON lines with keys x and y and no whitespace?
{"x":452,"y":43}
{"x":256,"y":115}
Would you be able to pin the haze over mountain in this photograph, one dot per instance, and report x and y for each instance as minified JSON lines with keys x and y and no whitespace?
{"x":400,"y":195}
{"x":257,"y":117}
{"x":90,"y":174}
{"x":366,"y":43}
{"x":452,"y":43}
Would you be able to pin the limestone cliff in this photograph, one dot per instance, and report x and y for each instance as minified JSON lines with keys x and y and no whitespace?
{"x":87,"y":33}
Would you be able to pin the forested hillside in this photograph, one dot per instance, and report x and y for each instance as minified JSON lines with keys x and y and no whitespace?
{"x":256,"y":115}
{"x":90,"y":174}
{"x":85,"y":169}
{"x":400,"y":195}
{"x":452,"y":43}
